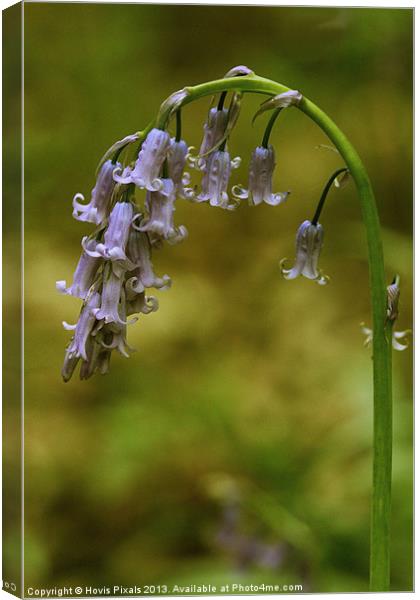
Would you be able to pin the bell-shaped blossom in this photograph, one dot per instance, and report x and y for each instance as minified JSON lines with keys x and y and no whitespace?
{"x":97,"y":209}
{"x":216,"y":179}
{"x":111,"y":299}
{"x":143,"y":275}
{"x":118,"y":340}
{"x":116,"y":235}
{"x":214,"y":131}
{"x":84,"y":275}
{"x":149,"y":163}
{"x":260,"y":179}
{"x":160,"y":221}
{"x":309,"y":240}
{"x":83,"y":328}
{"x":177,"y":159}
{"x":114,"y":335}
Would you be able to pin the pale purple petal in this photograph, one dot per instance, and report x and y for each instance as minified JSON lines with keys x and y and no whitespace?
{"x":177,"y":159}
{"x":309,"y":240}
{"x":84,"y":276}
{"x":154,"y":151}
{"x":216,"y":179}
{"x":160,"y":221}
{"x":96,"y":210}
{"x":110,"y":301}
{"x":139,"y":253}
{"x":77,"y":347}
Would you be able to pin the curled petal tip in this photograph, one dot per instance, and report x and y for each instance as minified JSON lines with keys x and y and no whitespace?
{"x":61,"y":286}
{"x":323,"y":279}
{"x":400,"y":335}
{"x":287,"y":273}
{"x":238,"y":191}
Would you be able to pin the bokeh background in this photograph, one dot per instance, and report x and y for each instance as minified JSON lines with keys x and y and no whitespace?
{"x":235,"y":445}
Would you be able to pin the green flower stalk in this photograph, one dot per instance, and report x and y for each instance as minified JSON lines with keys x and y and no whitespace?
{"x":149,"y":171}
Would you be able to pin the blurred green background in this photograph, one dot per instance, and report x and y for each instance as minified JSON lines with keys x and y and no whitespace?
{"x":235,"y":445}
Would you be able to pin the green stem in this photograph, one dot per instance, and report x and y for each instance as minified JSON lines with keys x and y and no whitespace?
{"x":325,"y":194}
{"x":178,"y":134}
{"x":269,"y":127}
{"x":382,"y":392}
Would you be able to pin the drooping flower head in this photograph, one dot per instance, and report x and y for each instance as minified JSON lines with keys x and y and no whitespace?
{"x":309,"y":241}
{"x":261,"y":169}
{"x":97,"y":209}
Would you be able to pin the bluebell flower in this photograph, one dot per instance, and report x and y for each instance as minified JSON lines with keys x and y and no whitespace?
{"x":84,"y":275}
{"x":309,"y":240}
{"x":159,"y":223}
{"x":143,"y":275}
{"x":177,"y":158}
{"x":110,"y":306}
{"x":153,"y":153}
{"x":216,"y":179}
{"x":261,"y":170}
{"x":97,"y":209}
{"x":115,"y":237}
{"x":214,"y":131}
{"x":82,"y":329}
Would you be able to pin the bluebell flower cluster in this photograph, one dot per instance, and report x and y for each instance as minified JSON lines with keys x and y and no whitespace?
{"x":115,"y":273}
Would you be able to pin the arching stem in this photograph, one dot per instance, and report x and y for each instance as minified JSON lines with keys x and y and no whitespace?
{"x":382,"y":392}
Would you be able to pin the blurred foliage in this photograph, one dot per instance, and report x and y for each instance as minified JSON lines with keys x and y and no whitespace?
{"x":235,"y":445}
